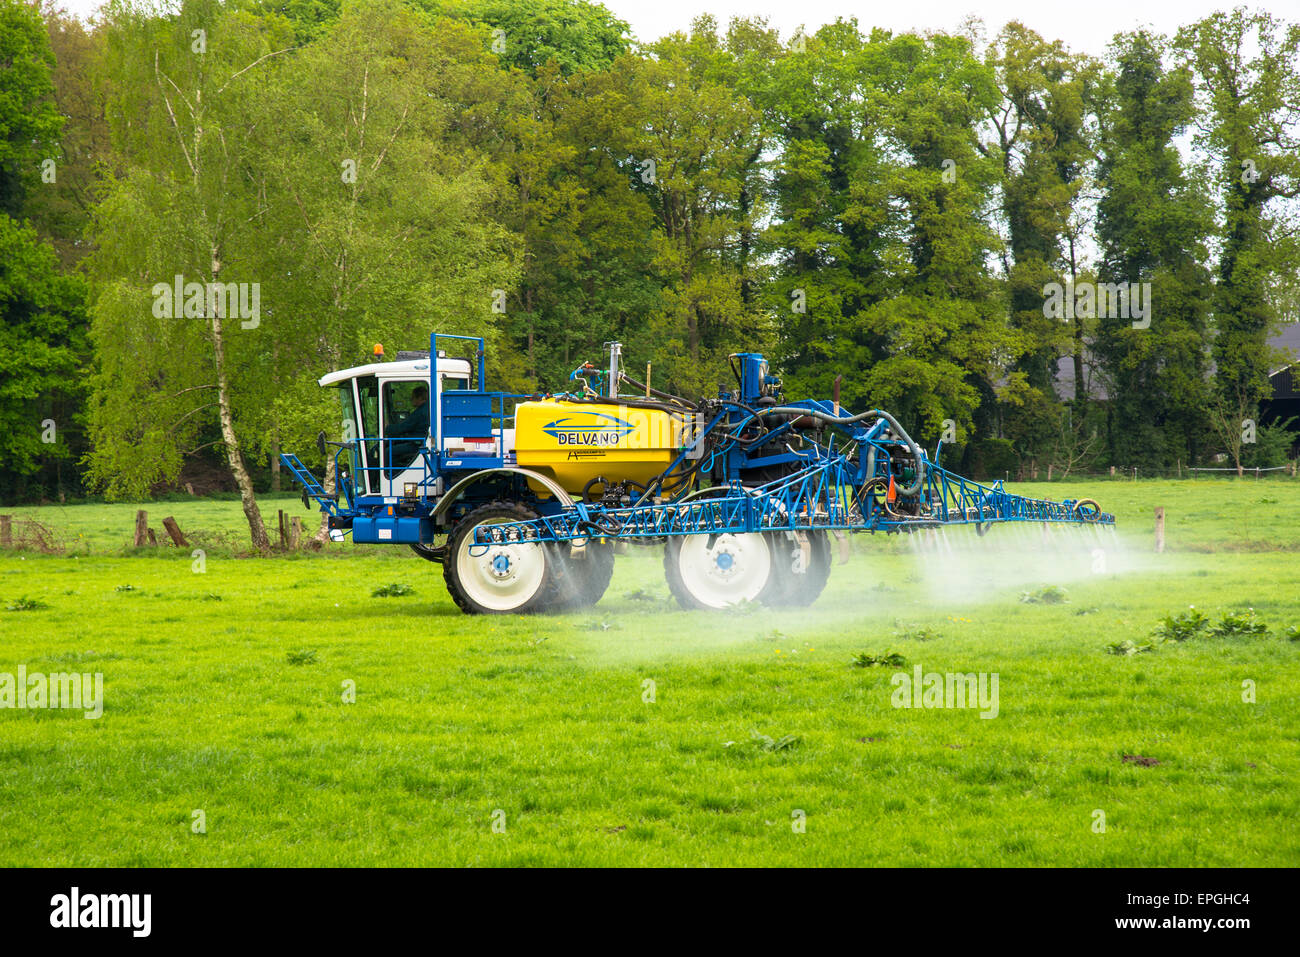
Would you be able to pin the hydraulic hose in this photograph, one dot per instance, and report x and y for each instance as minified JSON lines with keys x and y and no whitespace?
{"x":912,"y":489}
{"x":666,"y":396}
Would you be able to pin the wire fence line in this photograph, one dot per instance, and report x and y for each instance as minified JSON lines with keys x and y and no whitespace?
{"x":1132,"y":473}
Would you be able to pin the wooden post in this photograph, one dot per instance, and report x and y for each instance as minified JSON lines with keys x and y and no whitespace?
{"x":284,"y":532}
{"x":1160,"y":529}
{"x":295,"y":532}
{"x":6,"y":531}
{"x":1112,"y":471}
{"x":141,"y":528}
{"x":153,"y":538}
{"x":174,"y":531}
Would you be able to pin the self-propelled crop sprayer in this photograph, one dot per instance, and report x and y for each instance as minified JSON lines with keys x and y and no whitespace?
{"x":522,"y":499}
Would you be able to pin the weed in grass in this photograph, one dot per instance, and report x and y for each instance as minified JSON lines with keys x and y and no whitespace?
{"x":1047,"y":595}
{"x":1292,"y":633}
{"x":598,"y":625}
{"x":762,"y":742}
{"x":303,"y":656}
{"x":888,"y":660}
{"x":80,"y":657}
{"x":1244,"y":624}
{"x":907,"y":632}
{"x":1140,"y":760}
{"x":210,"y":596}
{"x":394,"y":590}
{"x":25,"y":604}
{"x":125,"y":588}
{"x":1127,"y":647}
{"x":1187,"y":624}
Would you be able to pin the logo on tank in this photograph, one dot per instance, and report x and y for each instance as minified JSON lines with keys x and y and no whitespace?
{"x":588,"y":429}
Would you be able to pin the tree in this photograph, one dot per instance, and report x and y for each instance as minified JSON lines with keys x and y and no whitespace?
{"x":42,"y":344}
{"x":1041,"y":140}
{"x":831,"y":226}
{"x":1153,"y":222}
{"x":184,"y":109}
{"x":685,"y":140}
{"x":29,"y":120}
{"x":42,"y":312}
{"x":574,"y":35}
{"x":1247,"y":72}
{"x":347,"y":136}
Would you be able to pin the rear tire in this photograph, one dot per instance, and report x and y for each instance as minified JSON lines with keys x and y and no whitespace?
{"x":717,"y":571}
{"x":796,"y":581}
{"x":506,"y":578}
{"x":581,"y":582}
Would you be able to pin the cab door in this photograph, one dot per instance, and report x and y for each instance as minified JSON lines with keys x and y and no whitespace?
{"x":404,"y":424}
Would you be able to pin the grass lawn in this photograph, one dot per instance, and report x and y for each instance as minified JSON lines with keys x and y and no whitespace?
{"x":635,"y":733}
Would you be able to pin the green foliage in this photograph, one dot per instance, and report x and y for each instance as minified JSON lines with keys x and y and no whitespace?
{"x":1127,"y":648}
{"x":1153,"y":223}
{"x":394,"y":590}
{"x":42,"y":342}
{"x":303,"y":656}
{"x":1239,"y":624}
{"x":575,"y":35}
{"x":1047,"y":595}
{"x":1272,"y":445}
{"x":889,"y":659}
{"x":29,"y":120}
{"x":26,"y":604}
{"x":1184,"y":625}
{"x":909,"y":632}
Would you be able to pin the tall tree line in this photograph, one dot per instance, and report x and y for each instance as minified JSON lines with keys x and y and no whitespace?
{"x":894,"y":209}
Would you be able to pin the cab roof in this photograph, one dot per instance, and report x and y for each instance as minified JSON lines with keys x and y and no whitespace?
{"x":405,"y":369}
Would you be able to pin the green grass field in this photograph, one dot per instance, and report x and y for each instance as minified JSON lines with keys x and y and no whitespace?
{"x":764,"y":744}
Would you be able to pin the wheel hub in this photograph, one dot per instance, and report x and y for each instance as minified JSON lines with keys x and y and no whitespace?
{"x":722,"y":571}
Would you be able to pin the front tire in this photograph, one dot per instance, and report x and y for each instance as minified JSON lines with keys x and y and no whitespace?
{"x":503,"y":578}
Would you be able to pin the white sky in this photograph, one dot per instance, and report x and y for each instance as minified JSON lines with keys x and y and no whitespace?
{"x":1084,"y":25}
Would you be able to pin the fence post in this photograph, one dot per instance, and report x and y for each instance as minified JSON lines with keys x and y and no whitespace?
{"x":1160,"y":529}
{"x":141,"y":528}
{"x":174,"y":531}
{"x":6,"y":531}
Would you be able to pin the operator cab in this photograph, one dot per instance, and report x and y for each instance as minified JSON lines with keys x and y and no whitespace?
{"x":387,"y":407}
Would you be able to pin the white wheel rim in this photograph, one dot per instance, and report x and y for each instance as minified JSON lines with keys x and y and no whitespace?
{"x":500,"y":577}
{"x":734,"y":569}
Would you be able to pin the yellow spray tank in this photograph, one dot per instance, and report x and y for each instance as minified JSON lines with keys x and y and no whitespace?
{"x":575,"y":442}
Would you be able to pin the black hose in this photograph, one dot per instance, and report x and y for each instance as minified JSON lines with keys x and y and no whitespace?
{"x":666,"y":396}
{"x":630,"y":403}
{"x":919,"y":455}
